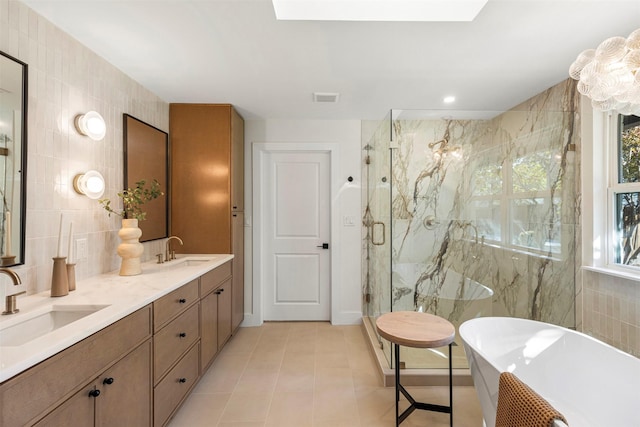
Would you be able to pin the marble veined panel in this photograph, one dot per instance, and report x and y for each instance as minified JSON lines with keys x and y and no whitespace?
{"x":495,"y":201}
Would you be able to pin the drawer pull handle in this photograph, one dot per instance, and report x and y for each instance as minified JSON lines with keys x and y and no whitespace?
{"x":94,"y":393}
{"x":182,"y":335}
{"x":182,"y":380}
{"x":182,"y":300}
{"x":108,"y":381}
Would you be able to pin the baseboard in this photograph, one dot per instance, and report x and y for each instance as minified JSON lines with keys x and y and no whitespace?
{"x":347,"y":318}
{"x":250,"y":320}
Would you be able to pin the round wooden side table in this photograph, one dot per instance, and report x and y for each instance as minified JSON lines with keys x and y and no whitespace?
{"x":421,"y":330}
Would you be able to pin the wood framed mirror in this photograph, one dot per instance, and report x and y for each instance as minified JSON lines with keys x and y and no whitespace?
{"x":13,"y":159}
{"x":146,"y":152}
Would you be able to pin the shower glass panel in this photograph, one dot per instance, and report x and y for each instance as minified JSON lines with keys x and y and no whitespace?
{"x":376,"y":221}
{"x":473,"y":214}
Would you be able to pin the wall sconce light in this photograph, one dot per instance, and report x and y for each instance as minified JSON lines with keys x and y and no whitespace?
{"x":92,"y":125}
{"x":90,"y":183}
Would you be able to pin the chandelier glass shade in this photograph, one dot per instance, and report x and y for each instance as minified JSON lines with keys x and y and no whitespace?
{"x":610,"y":74}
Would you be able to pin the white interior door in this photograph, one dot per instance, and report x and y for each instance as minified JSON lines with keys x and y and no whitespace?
{"x":297,"y":208}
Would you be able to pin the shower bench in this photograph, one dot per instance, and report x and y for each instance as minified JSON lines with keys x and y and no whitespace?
{"x":421,"y":330}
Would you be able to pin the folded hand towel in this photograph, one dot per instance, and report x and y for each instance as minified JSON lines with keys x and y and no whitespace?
{"x":519,"y":406}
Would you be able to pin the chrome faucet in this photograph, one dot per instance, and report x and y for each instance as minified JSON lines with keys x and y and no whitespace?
{"x":169,"y":254}
{"x":10,"y":300}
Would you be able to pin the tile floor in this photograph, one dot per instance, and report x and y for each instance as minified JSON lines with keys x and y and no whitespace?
{"x":308,"y":374}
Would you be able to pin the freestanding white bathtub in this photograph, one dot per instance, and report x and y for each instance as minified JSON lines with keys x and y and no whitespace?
{"x":591,"y":383}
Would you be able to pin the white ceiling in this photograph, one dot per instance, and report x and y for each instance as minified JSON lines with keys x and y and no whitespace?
{"x":235,"y":51}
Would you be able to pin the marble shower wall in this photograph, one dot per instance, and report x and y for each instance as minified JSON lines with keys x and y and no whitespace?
{"x":494,"y":200}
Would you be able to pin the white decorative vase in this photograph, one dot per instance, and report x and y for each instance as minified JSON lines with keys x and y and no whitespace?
{"x":130,"y":250}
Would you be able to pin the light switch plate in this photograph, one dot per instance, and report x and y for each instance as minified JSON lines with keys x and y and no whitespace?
{"x":81,"y":249}
{"x":349,"y":221}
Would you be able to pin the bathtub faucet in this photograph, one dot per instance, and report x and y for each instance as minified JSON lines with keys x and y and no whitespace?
{"x":466,"y":224}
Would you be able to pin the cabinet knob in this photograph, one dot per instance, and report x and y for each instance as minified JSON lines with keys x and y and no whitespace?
{"x":221,"y":290}
{"x":94,"y":393}
{"x":182,"y":334}
{"x":182,"y":380}
{"x":108,"y":381}
{"x":182,"y":300}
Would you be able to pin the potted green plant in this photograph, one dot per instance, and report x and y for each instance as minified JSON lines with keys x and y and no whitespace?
{"x":133,"y":199}
{"x":130,"y":250}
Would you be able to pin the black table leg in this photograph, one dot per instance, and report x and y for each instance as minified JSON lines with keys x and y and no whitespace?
{"x":450,"y":388}
{"x":413,"y":405}
{"x":396,"y":348}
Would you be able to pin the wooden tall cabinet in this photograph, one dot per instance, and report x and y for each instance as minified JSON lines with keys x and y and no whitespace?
{"x":207,"y":186}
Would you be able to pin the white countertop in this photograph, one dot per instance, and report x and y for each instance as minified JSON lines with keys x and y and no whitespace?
{"x":122,"y":294}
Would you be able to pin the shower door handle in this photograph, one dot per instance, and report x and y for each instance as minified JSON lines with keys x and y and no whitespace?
{"x":373,"y":233}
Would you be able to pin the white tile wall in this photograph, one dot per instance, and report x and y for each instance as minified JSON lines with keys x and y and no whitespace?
{"x":66,"y":79}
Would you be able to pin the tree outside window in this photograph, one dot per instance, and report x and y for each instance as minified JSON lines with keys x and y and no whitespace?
{"x":627,"y":203}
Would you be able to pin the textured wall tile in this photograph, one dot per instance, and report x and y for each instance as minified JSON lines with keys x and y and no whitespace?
{"x":65,"y":79}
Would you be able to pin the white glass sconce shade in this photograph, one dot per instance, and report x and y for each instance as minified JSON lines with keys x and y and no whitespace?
{"x":90,"y":183}
{"x":92,"y":125}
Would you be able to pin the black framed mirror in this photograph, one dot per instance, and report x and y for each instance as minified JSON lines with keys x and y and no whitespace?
{"x":146,"y":151}
{"x":13,"y":159}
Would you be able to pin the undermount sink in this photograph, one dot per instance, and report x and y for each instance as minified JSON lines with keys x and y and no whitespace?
{"x":42,"y":322}
{"x":188,"y":262}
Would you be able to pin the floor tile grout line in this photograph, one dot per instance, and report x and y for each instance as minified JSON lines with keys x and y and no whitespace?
{"x":237,"y":380}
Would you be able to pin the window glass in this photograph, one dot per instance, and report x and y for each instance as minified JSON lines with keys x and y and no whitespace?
{"x":535,"y":223}
{"x":487,"y":180}
{"x":629,"y":149}
{"x":627,"y":242}
{"x":489,"y":218}
{"x":534,"y":171}
{"x":626,"y":193}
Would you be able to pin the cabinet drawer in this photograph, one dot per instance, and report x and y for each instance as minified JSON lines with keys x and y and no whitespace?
{"x":170,"y":305}
{"x":170,"y":392}
{"x":37,"y":390}
{"x":174,"y":339}
{"x":212,"y":279}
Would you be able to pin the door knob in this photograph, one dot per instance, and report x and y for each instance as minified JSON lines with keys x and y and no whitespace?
{"x":323,"y":246}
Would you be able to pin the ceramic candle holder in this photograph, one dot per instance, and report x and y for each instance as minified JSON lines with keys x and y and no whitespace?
{"x":59,"y":280}
{"x":71,"y":276}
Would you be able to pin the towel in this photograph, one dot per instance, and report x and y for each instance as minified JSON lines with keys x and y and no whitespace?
{"x":519,"y":406}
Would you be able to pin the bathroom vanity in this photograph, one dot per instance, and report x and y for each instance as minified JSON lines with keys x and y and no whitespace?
{"x":131,"y":359}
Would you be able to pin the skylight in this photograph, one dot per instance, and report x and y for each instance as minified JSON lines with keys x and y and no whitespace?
{"x":378,"y":10}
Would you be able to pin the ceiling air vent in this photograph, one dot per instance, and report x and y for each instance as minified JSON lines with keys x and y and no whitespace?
{"x":325,"y":97}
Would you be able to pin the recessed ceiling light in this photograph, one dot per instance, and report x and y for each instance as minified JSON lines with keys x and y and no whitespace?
{"x":449,"y":99}
{"x":378,"y":10}
{"x":325,"y":97}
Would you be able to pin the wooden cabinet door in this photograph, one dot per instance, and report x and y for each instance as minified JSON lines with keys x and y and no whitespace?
{"x":224,"y":312}
{"x":237,"y":293}
{"x":78,"y":410}
{"x":125,"y":398}
{"x":200,"y":177}
{"x":208,"y":329}
{"x":237,"y":162}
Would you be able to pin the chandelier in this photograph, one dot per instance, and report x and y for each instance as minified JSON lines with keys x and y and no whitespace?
{"x":610,"y":74}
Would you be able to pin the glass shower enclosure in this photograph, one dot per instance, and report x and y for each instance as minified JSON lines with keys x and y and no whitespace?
{"x":472,"y":214}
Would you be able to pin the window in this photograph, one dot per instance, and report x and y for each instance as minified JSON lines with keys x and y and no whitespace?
{"x":515,"y":195}
{"x":625,"y":192}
